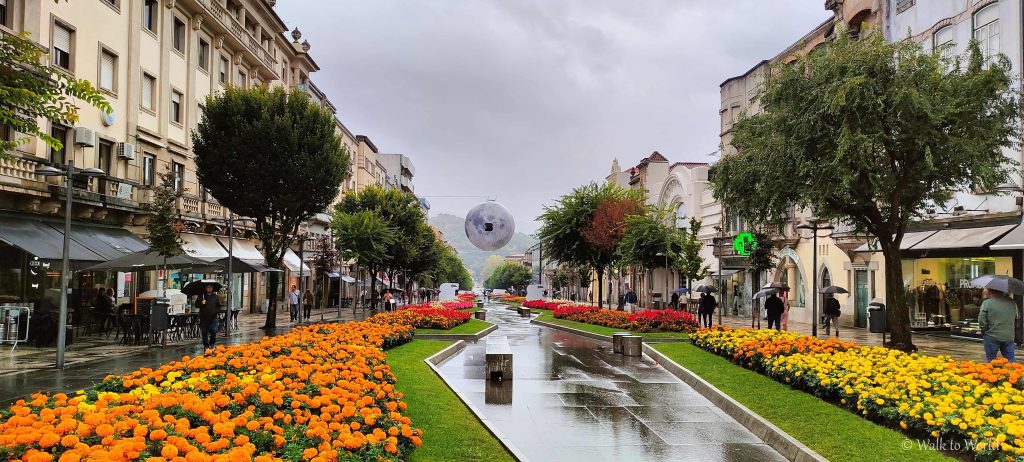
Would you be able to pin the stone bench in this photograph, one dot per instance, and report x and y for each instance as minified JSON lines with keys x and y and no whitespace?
{"x":525,"y":312}
{"x":481,"y":315}
{"x":498,"y":359}
{"x":617,"y":341}
{"x":632,"y":345}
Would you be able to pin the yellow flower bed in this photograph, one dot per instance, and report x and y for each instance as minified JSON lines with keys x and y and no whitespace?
{"x":981,"y":405}
{"x":319,"y":393}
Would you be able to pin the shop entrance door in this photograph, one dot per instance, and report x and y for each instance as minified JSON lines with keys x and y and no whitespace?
{"x":860,"y":298}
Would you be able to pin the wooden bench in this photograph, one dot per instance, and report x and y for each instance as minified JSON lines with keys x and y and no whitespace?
{"x":499,"y":359}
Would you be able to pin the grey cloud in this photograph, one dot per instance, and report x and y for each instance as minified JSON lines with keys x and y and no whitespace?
{"x":525,"y":99}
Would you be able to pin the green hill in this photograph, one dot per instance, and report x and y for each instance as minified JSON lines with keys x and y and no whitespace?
{"x":454,"y":231}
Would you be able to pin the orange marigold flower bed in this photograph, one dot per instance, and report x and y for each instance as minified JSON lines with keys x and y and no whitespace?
{"x":320,"y":392}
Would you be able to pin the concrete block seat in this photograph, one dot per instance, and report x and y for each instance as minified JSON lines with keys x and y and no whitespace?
{"x":498,"y":359}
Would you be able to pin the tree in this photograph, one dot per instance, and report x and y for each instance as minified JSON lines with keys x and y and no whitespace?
{"x":272,"y":156}
{"x":163,"y":227}
{"x":687,"y":259}
{"x":565,"y":226}
{"x":648,"y":241}
{"x":325,"y":259}
{"x":366,"y":237}
{"x":490,"y":265}
{"x":31,"y":89}
{"x":425,"y":255}
{"x":870,"y":133}
{"x":509,"y":274}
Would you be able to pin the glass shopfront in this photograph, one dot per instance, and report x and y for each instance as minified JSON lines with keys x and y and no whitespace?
{"x":939,"y":290}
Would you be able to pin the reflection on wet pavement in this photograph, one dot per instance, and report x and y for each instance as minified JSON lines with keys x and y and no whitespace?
{"x":572,"y":399}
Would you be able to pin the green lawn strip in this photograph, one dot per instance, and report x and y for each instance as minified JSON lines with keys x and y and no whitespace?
{"x":548,"y":316}
{"x":834,"y":432}
{"x":450,"y":431}
{"x":473,"y":326}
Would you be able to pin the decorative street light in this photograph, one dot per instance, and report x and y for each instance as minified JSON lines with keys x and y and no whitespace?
{"x":716,"y":243}
{"x":814,"y":228}
{"x":65,"y":273}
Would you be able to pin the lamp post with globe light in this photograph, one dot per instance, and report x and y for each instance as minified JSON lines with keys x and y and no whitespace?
{"x":69,"y":174}
{"x":814,"y":227}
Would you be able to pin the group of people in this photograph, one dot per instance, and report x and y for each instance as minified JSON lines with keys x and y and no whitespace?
{"x":294,"y":297}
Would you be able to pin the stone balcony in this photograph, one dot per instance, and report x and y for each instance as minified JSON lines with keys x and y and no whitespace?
{"x":225,"y":20}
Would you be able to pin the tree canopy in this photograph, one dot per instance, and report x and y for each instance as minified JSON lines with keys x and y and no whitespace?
{"x":509,"y":274}
{"x":272,"y":156}
{"x":31,"y":89}
{"x":870,"y":133}
{"x":162,"y":227}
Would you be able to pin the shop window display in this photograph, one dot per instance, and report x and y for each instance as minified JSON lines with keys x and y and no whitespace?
{"x":939,"y":290}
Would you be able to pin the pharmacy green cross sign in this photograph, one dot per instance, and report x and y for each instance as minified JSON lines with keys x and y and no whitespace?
{"x":744,"y":243}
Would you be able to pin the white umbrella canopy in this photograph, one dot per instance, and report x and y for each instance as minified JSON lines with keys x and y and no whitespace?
{"x":765,"y":292}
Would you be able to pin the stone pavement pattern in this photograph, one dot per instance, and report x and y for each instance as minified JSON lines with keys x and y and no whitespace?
{"x":572,"y":399}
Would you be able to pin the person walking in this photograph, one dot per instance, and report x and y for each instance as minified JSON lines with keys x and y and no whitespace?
{"x":208,"y":305}
{"x":307,"y":303}
{"x":774,"y":307}
{"x":785,"y":311}
{"x":293,"y":302}
{"x":832,"y":312}
{"x":706,"y":308}
{"x":674,"y":302}
{"x":630,"y":299}
{"x":997,"y":318}
{"x":387,"y":300}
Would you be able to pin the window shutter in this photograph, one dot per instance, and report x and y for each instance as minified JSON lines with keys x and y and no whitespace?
{"x":106,"y":71}
{"x":147,"y":92}
{"x":62,"y":38}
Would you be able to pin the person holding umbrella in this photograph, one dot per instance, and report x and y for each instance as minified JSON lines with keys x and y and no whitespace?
{"x":706,"y":308}
{"x":774,"y":307}
{"x":997,"y":318}
{"x":208,"y":304}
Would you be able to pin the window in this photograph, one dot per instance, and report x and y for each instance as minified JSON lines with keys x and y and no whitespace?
{"x":176,"y":106}
{"x":104,"y":154}
{"x":148,"y":91}
{"x":4,"y":14}
{"x":148,"y":169}
{"x":62,"y":39}
{"x":178,"y":40}
{"x":943,"y":40}
{"x":60,"y":133}
{"x":204,"y":55}
{"x":224,"y":66}
{"x":986,"y":30}
{"x":150,"y":11}
{"x":904,"y":5}
{"x":241,"y":78}
{"x":108,"y":70}
{"x":179,"y":176}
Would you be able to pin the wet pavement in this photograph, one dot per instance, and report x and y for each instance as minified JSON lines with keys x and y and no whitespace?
{"x":572,"y":399}
{"x":30,"y":370}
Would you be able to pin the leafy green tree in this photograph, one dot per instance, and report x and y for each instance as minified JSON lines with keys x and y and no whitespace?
{"x":367,"y":238}
{"x":565,"y":227}
{"x":31,"y":89}
{"x":871,"y":133}
{"x":687,"y":257}
{"x":490,"y":265}
{"x":272,"y":156}
{"x":509,"y":274}
{"x":647,"y":236}
{"x":425,"y":254}
{"x":162,"y":227}
{"x":325,"y":259}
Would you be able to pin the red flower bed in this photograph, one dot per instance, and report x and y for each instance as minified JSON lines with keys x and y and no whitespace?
{"x":457,"y":305}
{"x":668,"y":320}
{"x":642,"y":321}
{"x":534,"y":304}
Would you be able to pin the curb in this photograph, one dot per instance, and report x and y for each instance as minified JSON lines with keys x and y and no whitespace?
{"x":605,"y":338}
{"x":443,"y":356}
{"x":457,"y":337}
{"x":789,"y":447}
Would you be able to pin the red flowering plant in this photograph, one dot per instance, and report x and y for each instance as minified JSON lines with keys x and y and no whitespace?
{"x":665,"y":320}
{"x":641,"y":321}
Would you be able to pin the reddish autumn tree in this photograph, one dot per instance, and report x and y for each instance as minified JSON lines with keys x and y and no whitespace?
{"x":609,"y":222}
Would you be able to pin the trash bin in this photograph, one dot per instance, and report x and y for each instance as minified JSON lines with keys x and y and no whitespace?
{"x":158,"y":320}
{"x":876,"y":318}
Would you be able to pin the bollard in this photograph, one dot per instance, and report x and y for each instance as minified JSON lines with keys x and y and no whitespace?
{"x":617,"y":341}
{"x":524,"y":312}
{"x":481,"y":315}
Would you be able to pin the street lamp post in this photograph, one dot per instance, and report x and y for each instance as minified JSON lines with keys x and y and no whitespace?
{"x":814,"y":228}
{"x":664,"y":295}
{"x":65,"y":271}
{"x":716,"y":242}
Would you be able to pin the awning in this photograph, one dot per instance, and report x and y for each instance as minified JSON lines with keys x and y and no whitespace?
{"x":726,"y":272}
{"x":348,"y":279}
{"x":969,"y":238}
{"x":43,"y":241}
{"x":1014,"y":240}
{"x":909,"y":240}
{"x":109,"y":243}
{"x":291,"y":261}
{"x":203,"y":246}
{"x":244,"y":249}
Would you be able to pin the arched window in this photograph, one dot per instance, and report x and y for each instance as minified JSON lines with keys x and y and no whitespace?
{"x":986,"y":30}
{"x":682,"y":221}
{"x":943,"y":40}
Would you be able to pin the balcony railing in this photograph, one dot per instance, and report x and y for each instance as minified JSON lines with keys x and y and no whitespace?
{"x":189,"y":206}
{"x":20,"y":171}
{"x":229,"y":23}
{"x":213,"y":210}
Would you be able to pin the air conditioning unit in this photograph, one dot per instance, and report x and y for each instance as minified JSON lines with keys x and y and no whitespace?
{"x":126,"y":151}
{"x":85,"y":137}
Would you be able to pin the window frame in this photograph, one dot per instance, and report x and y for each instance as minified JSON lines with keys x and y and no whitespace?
{"x":104,"y":50}
{"x":177,"y":109}
{"x":109,"y":164}
{"x":988,"y":51}
{"x":178,"y":172}
{"x":7,"y":15}
{"x":151,"y":108}
{"x":179,"y":35}
{"x":57,"y":23}
{"x":63,"y":152}
{"x":225,"y":69}
{"x":153,"y":23}
{"x":203,"y":55}
{"x":148,"y":169}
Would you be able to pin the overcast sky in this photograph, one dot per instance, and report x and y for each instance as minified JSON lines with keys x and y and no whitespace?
{"x":526,"y":99}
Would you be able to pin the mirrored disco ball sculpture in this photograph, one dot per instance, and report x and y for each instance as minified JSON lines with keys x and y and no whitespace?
{"x":489,"y":226}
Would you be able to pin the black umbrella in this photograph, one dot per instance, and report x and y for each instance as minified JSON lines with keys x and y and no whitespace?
{"x":704,"y":288}
{"x":833,"y":290}
{"x":778,"y":285}
{"x":197,"y":287}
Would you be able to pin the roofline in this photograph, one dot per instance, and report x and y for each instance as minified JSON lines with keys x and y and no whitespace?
{"x":366,"y":139}
{"x":814,"y":32}
{"x":751,"y":70}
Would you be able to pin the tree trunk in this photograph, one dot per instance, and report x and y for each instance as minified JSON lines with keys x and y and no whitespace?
{"x":272,"y":281}
{"x":373,"y":288}
{"x":897,"y":312}
{"x":600,"y":287}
